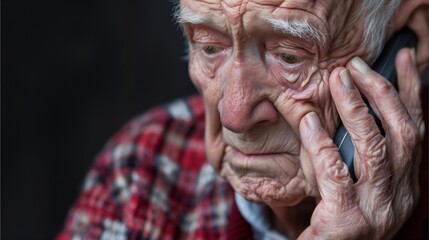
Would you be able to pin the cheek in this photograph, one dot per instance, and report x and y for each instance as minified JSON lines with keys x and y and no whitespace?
{"x":295,"y":103}
{"x":319,"y":100}
{"x":317,"y":97}
{"x":196,"y":73}
{"x":203,"y":74}
{"x":294,"y":78}
{"x":204,"y":77}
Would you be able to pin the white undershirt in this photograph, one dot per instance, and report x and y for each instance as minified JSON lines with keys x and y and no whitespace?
{"x":256,"y":215}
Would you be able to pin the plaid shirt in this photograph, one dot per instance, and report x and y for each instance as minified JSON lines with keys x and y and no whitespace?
{"x":152,"y":181}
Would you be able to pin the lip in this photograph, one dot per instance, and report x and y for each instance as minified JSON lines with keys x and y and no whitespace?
{"x":262,"y":165}
{"x":263,"y":142}
{"x":254,"y":157}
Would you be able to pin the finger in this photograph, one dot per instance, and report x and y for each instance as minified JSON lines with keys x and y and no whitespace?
{"x":401,"y":131}
{"x":333,"y":178}
{"x":409,"y":90}
{"x":410,"y":86}
{"x":385,"y":102}
{"x":370,"y":145}
{"x":381,"y":95}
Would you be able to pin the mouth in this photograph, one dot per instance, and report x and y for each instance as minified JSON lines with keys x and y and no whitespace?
{"x":266,"y":165}
{"x":254,"y":156}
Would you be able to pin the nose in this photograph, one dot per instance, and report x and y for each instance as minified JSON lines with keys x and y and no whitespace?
{"x":245,"y":101}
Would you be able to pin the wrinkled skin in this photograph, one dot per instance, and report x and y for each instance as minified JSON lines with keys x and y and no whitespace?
{"x":273,"y":102}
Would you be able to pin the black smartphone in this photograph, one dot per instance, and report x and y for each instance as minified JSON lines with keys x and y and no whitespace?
{"x":385,"y":66}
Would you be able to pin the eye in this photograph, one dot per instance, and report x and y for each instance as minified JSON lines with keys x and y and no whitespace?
{"x":289,"y":58}
{"x":210,"y":49}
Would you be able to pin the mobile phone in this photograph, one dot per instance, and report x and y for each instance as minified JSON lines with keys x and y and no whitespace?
{"x":385,"y":66}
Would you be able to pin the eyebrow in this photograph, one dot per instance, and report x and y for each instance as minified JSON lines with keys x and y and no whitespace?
{"x":295,"y":27}
{"x":298,"y":28}
{"x":186,"y":15}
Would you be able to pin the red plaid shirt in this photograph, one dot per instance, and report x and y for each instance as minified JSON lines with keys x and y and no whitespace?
{"x":152,"y":181}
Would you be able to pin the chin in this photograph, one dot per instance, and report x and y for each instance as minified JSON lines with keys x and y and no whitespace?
{"x":276,"y":192}
{"x":274,"y":179}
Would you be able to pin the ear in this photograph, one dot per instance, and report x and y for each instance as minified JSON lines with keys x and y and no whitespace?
{"x":415,"y":15}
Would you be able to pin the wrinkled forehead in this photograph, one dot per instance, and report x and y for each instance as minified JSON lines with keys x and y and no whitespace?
{"x":231,"y":15}
{"x":241,"y":6}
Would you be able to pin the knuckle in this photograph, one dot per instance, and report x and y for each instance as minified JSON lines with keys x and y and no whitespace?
{"x":356,"y":107}
{"x":384,"y":87}
{"x":324,"y":148}
{"x":338,"y":171}
{"x":331,"y":163}
{"x":375,"y":150}
{"x":410,"y":135}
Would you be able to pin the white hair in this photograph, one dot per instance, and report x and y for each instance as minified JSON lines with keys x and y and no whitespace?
{"x":298,"y":28}
{"x":295,"y":27}
{"x":376,"y":15}
{"x":185,"y":15}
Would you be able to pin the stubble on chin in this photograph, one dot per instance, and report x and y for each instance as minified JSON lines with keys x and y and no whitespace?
{"x":281,"y":190}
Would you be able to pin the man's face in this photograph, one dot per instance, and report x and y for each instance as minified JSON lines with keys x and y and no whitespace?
{"x":261,"y":65}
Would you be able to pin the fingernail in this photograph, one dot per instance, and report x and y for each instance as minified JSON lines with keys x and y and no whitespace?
{"x":346,"y":79}
{"x":413,"y":55}
{"x":313,"y":121}
{"x":360,"y":65}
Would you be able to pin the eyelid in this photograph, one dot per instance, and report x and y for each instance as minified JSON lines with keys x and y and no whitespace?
{"x":200,"y":47}
{"x":298,"y":51}
{"x":290,"y":67}
{"x":278,"y":54}
{"x":293,"y":56}
{"x":287,"y":44}
{"x":207,"y":35}
{"x":204,"y":45}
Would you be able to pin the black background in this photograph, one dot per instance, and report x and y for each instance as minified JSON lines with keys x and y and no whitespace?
{"x":74,"y":72}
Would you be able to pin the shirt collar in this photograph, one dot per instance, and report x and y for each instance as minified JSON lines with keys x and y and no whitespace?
{"x":258,"y":218}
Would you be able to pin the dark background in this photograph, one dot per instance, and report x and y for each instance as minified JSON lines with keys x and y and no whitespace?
{"x":73,"y":72}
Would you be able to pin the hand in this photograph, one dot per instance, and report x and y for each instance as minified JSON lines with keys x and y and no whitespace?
{"x":387,"y":190}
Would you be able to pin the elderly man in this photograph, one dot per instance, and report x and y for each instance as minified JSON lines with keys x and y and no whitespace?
{"x":253,"y":156}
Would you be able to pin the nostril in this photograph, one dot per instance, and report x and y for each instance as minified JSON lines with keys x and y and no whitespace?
{"x":240,"y":117}
{"x":265,"y":112}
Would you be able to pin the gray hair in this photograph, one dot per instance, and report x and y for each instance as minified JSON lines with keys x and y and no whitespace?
{"x":298,"y":28}
{"x":375,"y":15}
